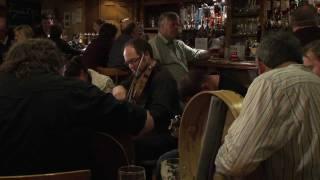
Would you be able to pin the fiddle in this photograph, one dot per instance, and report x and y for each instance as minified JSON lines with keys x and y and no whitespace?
{"x":140,"y":80}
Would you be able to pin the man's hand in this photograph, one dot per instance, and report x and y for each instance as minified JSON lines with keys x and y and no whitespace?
{"x":120,"y":93}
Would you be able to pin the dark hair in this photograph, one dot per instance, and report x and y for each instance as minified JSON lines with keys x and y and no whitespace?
{"x":314,"y":47}
{"x":74,"y":68}
{"x":3,"y":11}
{"x":305,"y":15}
{"x":277,"y":48}
{"x":171,"y":16}
{"x":129,"y":28}
{"x":32,"y":55}
{"x":141,"y":46}
{"x":108,"y":31}
{"x":191,"y":83}
{"x":55,"y":32}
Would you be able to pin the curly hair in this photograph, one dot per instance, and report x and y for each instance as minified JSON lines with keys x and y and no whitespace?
{"x":26,"y":30}
{"x":32,"y":55}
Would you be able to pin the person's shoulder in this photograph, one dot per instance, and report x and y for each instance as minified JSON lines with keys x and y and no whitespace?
{"x":292,"y":75}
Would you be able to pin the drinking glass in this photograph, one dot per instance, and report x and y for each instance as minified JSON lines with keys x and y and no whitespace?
{"x":170,"y":169}
{"x":132,"y":172}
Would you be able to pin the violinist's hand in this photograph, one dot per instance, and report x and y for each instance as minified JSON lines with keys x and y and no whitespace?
{"x":120,"y":93}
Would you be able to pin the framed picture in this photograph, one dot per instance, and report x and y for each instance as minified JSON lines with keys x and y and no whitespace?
{"x":67,"y":18}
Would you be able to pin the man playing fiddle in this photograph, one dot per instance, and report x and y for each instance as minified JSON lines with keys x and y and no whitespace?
{"x":153,"y":88}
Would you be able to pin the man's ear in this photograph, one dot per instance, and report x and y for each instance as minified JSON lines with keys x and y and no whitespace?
{"x":261,"y":66}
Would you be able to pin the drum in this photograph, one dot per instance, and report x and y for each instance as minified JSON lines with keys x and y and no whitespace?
{"x":204,"y":123}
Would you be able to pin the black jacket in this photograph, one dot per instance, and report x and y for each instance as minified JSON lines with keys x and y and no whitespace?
{"x":46,"y":122}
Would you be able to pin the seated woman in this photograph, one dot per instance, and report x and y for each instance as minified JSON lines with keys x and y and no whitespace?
{"x":22,"y":33}
{"x":97,"y":53}
{"x":76,"y":69}
{"x":55,"y":36}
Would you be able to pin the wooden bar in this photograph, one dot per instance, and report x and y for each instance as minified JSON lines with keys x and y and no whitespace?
{"x":227,"y":64}
{"x":242,"y":72}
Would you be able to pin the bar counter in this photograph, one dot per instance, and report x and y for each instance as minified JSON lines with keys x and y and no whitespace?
{"x":242,"y":72}
{"x":226,"y":64}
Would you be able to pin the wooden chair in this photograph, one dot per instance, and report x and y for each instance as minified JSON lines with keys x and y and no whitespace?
{"x":110,"y":153}
{"x":70,"y":175}
{"x":201,"y":130}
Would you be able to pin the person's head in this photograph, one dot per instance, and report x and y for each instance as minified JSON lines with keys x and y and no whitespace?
{"x":23,"y":32}
{"x":277,"y":49}
{"x":76,"y":69}
{"x":131,"y":29}
{"x":136,"y":51}
{"x":169,"y":23}
{"x":304,"y":16}
{"x":97,"y":24}
{"x":311,"y":56}
{"x":33,"y":55}
{"x":46,"y":22}
{"x":196,"y":81}
{"x":3,"y":18}
{"x":55,"y":32}
{"x":108,"y":31}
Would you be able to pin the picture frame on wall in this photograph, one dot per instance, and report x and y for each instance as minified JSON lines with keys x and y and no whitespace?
{"x":67,"y":19}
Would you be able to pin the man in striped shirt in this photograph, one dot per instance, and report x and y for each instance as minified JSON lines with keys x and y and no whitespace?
{"x":279,"y":125}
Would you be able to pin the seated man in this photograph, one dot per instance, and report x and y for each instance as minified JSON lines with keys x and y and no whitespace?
{"x":47,"y":121}
{"x":76,"y":69}
{"x":277,"y":128}
{"x":153,"y":88}
{"x":311,"y":56}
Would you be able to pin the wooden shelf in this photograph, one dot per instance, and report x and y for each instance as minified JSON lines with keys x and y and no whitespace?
{"x":244,"y":36}
{"x":150,"y":29}
{"x":246,"y":15}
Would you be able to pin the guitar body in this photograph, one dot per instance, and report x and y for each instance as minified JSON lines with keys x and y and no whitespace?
{"x":110,"y":153}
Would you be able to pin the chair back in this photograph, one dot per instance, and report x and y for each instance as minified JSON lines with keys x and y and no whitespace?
{"x":110,"y":153}
{"x":70,"y":175}
{"x":202,"y":129}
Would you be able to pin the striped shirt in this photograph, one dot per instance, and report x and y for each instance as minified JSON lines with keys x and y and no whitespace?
{"x":278,"y":128}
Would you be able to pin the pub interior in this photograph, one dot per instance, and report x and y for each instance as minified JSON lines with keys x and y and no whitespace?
{"x":159,"y":89}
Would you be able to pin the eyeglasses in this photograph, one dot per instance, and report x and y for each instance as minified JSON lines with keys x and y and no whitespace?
{"x":134,"y":60}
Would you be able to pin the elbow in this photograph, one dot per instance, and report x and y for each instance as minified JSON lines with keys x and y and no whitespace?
{"x":234,"y":168}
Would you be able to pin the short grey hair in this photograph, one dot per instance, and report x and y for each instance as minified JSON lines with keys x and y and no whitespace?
{"x":277,"y":48}
{"x":314,"y":47}
{"x":171,"y":16}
